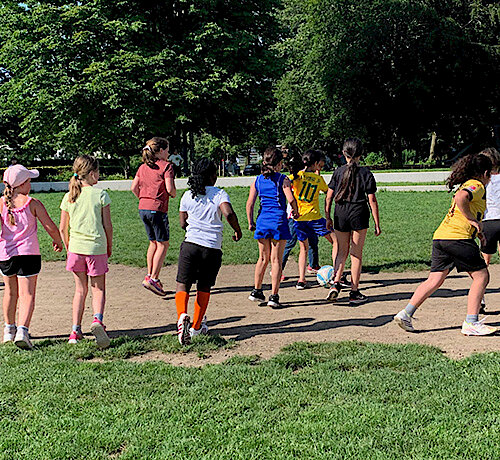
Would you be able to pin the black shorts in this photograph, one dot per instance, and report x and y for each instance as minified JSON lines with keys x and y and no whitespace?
{"x":351,"y":216}
{"x":23,"y":266}
{"x":491,"y":232}
{"x":462,"y":254}
{"x":156,"y":224}
{"x":198,"y":263}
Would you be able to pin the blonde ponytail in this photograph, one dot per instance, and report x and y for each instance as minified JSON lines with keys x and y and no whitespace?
{"x":82,"y":167}
{"x":7,"y":193}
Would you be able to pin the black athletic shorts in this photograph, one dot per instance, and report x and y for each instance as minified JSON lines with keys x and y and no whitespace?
{"x":351,"y":216}
{"x":462,"y":254}
{"x":156,"y":225}
{"x":23,"y":266}
{"x":198,"y":263}
{"x":491,"y":232}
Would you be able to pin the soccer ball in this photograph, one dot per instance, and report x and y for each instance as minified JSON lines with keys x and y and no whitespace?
{"x":325,"y":275}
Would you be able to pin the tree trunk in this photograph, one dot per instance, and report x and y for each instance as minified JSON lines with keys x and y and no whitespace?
{"x":433,"y":148}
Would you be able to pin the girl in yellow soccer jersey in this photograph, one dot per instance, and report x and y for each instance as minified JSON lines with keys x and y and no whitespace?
{"x":454,"y":246}
{"x":306,"y":188}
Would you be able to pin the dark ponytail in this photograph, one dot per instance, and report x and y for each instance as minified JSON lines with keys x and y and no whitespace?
{"x":307,"y":159}
{"x":352,"y":149}
{"x":201,"y":176}
{"x":271,"y":159}
{"x":468,"y":167}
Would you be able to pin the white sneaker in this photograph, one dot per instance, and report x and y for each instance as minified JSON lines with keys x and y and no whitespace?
{"x":22,"y":339}
{"x":9,"y":333}
{"x":183,"y":329}
{"x":403,"y":320}
{"x":203,"y":330}
{"x":477,"y":328}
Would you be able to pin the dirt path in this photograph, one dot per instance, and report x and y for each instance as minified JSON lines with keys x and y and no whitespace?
{"x":262,"y":331}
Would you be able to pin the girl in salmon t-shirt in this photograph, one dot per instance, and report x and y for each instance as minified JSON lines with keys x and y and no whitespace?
{"x":154,"y":185}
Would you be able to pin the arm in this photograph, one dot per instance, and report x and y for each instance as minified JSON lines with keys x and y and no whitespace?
{"x":48,"y":224}
{"x":232,"y":219}
{"x":287,"y":190}
{"x":108,"y":228}
{"x":462,"y":199}
{"x":372,"y":201}
{"x":183,"y":217}
{"x":135,"y":186}
{"x":63,"y":228}
{"x":170,"y":185}
{"x":252,"y":196}
{"x":328,"y":208}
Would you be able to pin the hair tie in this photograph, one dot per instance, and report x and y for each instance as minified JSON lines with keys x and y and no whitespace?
{"x":148,"y":148}
{"x":75,"y":174}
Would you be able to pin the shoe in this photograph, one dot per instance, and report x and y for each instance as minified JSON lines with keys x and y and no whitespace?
{"x":356,"y":298}
{"x":100,"y":334}
{"x":203,"y":330}
{"x":257,"y":296}
{"x":403,"y":320}
{"x":482,"y":310}
{"x":312,"y":270}
{"x":274,"y":301}
{"x":22,"y":339}
{"x":9,"y":333}
{"x":283,"y":277}
{"x":344,"y":283}
{"x":301,"y":285}
{"x":478,"y":328}
{"x":75,"y":337}
{"x":154,"y":286}
{"x":334,"y":292}
{"x":183,"y":329}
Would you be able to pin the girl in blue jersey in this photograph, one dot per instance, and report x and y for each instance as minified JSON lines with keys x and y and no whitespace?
{"x":271,"y":229}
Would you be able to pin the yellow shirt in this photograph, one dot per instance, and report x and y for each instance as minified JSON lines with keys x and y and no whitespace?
{"x":306,"y":188}
{"x":455,"y":225}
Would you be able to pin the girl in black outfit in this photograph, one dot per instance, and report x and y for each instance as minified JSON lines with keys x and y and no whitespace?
{"x":353,"y":189}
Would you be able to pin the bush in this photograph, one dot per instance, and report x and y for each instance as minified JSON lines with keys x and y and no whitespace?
{"x":374,"y":159}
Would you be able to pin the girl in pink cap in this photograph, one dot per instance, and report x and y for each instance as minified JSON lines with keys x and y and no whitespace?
{"x":20,"y":259}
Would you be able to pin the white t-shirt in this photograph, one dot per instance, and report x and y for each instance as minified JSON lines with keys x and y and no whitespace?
{"x":493,"y":198}
{"x":204,"y":217}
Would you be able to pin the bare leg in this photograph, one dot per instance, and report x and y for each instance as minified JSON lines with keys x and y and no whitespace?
{"x":277,"y":249}
{"x":98,"y":285}
{"x":304,"y":247}
{"x":357,"y":243}
{"x":261,"y":265}
{"x":81,"y":290}
{"x":332,"y":239}
{"x":27,"y":289}
{"x":480,"y":280}
{"x":343,"y":244}
{"x":159,"y":258}
{"x":10,"y":296}
{"x":428,"y":287}
{"x":487,"y":258}
{"x":149,"y":256}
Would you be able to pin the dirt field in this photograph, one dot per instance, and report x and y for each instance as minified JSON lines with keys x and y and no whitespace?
{"x":262,"y":331}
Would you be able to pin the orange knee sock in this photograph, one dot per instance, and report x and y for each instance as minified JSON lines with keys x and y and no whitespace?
{"x":181,"y":303}
{"x":200,"y":308}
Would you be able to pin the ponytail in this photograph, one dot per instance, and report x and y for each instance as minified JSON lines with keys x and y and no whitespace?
{"x":352,"y":149}
{"x":152,"y":149}
{"x":7,"y":194}
{"x":271,"y":159}
{"x":201,"y":175}
{"x":469,"y":167}
{"x":82,"y":167}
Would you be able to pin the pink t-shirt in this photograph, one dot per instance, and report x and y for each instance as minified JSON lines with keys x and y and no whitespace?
{"x":20,"y":239}
{"x":153,"y":195}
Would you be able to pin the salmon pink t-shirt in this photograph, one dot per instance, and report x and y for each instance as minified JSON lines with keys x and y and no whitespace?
{"x":153,"y":195}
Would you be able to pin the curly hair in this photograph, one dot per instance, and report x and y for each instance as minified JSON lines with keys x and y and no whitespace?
{"x":272,"y":157}
{"x":201,"y":174}
{"x":469,"y":167}
{"x":8,"y":192}
{"x":353,"y":148}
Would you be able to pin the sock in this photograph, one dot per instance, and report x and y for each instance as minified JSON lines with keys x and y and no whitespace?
{"x":99,"y":316}
{"x":181,"y":302}
{"x":23,"y":327}
{"x":200,"y":308}
{"x":10,"y":325}
{"x":410,"y":309}
{"x":76,"y":328}
{"x":472,"y":318}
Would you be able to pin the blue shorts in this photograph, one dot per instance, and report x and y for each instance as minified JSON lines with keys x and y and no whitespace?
{"x":272,"y":227}
{"x":156,"y":224}
{"x":307,"y":228}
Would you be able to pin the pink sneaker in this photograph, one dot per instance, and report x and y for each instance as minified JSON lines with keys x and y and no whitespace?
{"x":99,"y":331}
{"x":312,"y":270}
{"x":154,"y":286}
{"x":75,"y":337}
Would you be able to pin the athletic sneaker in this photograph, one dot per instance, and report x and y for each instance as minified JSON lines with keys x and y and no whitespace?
{"x":344,"y":283}
{"x":312,"y":270}
{"x":183,"y":329}
{"x":203,"y":330}
{"x":356,"y":298}
{"x":403,"y":320}
{"x":257,"y":296}
{"x":478,"y":328}
{"x":75,"y":337}
{"x":100,"y":334}
{"x":9,"y":333}
{"x":482,"y":310}
{"x":301,"y":285}
{"x":22,"y":339}
{"x":334,"y":292}
{"x":154,"y":286}
{"x":274,"y":301}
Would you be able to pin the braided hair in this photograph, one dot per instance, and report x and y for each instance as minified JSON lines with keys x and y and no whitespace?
{"x":468,"y":167}
{"x":8,"y":192}
{"x":352,"y":149}
{"x":201,"y":176}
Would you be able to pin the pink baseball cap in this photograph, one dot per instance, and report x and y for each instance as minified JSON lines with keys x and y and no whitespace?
{"x":17,"y":174}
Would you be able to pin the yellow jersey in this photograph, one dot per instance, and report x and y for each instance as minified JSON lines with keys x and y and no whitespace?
{"x":306,"y":188}
{"x":455,"y":225}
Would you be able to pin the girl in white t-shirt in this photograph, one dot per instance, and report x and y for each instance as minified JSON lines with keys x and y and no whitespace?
{"x":200,"y":258}
{"x":491,"y":220}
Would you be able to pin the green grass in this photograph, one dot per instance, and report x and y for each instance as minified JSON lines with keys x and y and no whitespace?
{"x":408,"y":220}
{"x":313,"y":401}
